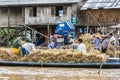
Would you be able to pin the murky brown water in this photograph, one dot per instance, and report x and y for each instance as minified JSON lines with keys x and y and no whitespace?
{"x":38,"y":73}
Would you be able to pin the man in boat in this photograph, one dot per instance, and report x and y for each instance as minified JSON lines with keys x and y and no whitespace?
{"x":71,"y":40}
{"x":27,"y":48}
{"x":81,"y":46}
{"x":104,"y":44}
{"x":96,"y":42}
{"x":16,"y":44}
{"x":112,"y":39}
{"x":53,"y":44}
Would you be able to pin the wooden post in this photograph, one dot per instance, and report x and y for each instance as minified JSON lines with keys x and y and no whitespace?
{"x":25,"y":33}
{"x":50,"y":34}
{"x":31,"y":34}
{"x":87,"y":28}
{"x":48,"y":29}
{"x":115,"y":45}
{"x":103,"y":30}
{"x":88,"y":25}
{"x":8,"y":19}
{"x":0,"y":34}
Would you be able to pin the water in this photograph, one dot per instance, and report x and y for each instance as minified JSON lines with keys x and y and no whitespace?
{"x":38,"y":73}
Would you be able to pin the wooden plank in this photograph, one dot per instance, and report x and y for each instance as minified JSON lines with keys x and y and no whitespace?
{"x":0,"y":34}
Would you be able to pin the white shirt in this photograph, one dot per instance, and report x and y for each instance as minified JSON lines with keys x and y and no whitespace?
{"x":112,"y":38}
{"x":29,"y":46}
{"x":82,"y":47}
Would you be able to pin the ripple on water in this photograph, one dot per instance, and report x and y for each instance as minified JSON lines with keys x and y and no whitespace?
{"x":38,"y":73}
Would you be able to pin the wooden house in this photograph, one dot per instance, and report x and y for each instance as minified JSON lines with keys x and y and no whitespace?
{"x":97,"y":15}
{"x":40,"y":15}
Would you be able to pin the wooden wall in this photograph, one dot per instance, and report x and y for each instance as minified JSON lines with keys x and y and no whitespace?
{"x":45,"y":15}
{"x":12,"y":16}
{"x":103,"y":16}
{"x":3,"y":17}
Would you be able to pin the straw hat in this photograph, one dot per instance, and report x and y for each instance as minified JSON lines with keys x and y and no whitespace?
{"x":103,"y":36}
{"x":97,"y":36}
{"x":70,"y":36}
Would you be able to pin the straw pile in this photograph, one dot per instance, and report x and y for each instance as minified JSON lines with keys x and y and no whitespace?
{"x":118,"y":53}
{"x":111,"y":50}
{"x":4,"y":55}
{"x":64,"y":55}
{"x":87,"y":39}
{"x":67,"y":55}
{"x":55,"y":55}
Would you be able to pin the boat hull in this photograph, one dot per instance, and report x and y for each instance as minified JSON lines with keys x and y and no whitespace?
{"x":53,"y":64}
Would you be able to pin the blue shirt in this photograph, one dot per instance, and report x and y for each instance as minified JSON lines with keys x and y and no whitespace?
{"x":53,"y":45}
{"x":96,"y":41}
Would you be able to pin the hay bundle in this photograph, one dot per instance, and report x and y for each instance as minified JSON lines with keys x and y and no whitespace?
{"x":56,"y":55}
{"x":4,"y":55}
{"x":111,"y":50}
{"x":118,"y":53}
{"x":87,"y":39}
{"x":64,"y":56}
{"x":96,"y":52}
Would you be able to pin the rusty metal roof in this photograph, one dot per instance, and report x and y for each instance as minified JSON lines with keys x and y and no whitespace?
{"x":96,"y":4}
{"x":34,"y":2}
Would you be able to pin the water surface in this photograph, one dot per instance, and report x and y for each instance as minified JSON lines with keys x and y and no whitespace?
{"x":45,"y":73}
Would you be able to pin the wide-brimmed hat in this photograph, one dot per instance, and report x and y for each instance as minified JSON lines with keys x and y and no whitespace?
{"x":97,"y":36}
{"x":103,"y":36}
{"x":70,"y":36}
{"x":54,"y":39}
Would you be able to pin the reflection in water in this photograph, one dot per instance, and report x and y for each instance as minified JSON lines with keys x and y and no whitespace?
{"x":38,"y":73}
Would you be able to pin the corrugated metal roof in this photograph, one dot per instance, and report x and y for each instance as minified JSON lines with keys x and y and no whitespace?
{"x":96,"y":4}
{"x":30,"y":2}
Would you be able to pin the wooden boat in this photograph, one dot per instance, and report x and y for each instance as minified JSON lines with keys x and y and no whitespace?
{"x":111,"y":63}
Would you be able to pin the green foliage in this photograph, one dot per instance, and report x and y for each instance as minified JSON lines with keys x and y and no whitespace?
{"x":5,"y":32}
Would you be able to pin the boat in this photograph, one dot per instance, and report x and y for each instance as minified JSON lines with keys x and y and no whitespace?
{"x":111,"y":63}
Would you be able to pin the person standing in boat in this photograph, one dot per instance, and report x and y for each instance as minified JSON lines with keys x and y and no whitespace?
{"x":81,"y":46}
{"x":17,"y":43}
{"x":53,"y":44}
{"x":112,"y":39}
{"x":96,"y":42}
{"x":104,"y":44}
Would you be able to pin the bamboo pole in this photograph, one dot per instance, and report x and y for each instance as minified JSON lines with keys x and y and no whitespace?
{"x":0,"y":34}
{"x":87,"y":28}
{"x":25,"y":34}
{"x":48,"y":28}
{"x":115,"y":45}
{"x":100,"y":68}
{"x":35,"y":31}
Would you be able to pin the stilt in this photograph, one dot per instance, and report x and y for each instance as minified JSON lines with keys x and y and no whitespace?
{"x":48,"y":29}
{"x":103,"y":29}
{"x":25,"y":33}
{"x":50,"y":34}
{"x":87,"y":28}
{"x":0,"y":34}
